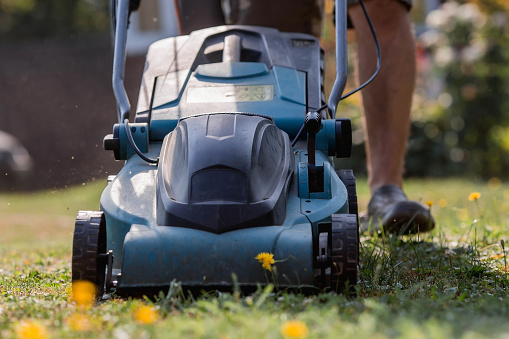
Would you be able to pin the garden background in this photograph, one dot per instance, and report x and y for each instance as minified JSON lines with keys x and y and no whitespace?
{"x":56,"y":99}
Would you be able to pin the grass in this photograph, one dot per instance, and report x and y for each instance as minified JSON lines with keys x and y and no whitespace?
{"x":451,"y":283}
{"x":44,"y":219}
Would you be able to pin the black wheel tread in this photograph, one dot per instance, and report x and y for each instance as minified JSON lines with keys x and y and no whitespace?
{"x":344,"y":251}
{"x":348,"y":179}
{"x":89,"y":241}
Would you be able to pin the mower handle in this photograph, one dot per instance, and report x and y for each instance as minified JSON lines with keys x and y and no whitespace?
{"x":122,"y":11}
{"x":341,"y":57}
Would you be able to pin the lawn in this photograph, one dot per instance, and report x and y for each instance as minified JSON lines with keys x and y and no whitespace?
{"x":451,"y":283}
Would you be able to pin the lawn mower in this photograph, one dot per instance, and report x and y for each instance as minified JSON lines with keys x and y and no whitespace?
{"x":230,"y":155}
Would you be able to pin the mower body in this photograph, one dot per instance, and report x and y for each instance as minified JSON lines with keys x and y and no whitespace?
{"x":219,"y":109}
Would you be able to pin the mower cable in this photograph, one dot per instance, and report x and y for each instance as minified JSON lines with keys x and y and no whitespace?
{"x":378,"y":65}
{"x":134,"y":146}
{"x":378,"y":54}
{"x":298,"y":135}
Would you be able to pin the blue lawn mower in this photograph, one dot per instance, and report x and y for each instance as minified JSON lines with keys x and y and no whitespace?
{"x":230,"y":155}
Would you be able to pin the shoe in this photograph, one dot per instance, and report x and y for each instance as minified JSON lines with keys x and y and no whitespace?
{"x":390,"y":210}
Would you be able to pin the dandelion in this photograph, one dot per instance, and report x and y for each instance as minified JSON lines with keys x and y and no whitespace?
{"x":474,"y":196}
{"x":83,"y":293}
{"x":266,"y":259}
{"x":31,"y":330}
{"x":442,"y":203}
{"x":429,"y":203}
{"x":145,"y":314}
{"x":79,"y":322}
{"x":294,"y":329}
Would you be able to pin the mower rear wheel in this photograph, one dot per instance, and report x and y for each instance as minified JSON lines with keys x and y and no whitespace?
{"x":88,"y":244}
{"x":344,"y":252}
{"x":348,"y":180}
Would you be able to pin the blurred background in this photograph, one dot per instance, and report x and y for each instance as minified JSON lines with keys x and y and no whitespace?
{"x":56,"y":102}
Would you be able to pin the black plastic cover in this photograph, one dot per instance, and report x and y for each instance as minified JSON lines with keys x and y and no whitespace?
{"x":224,"y":171}
{"x":176,"y":57}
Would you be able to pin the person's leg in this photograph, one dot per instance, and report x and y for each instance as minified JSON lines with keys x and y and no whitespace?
{"x":387,"y":100}
{"x":197,"y":14}
{"x":303,"y":16}
{"x":387,"y":103}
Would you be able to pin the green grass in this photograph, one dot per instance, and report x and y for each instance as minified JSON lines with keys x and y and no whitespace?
{"x":451,"y":283}
{"x":44,"y":219}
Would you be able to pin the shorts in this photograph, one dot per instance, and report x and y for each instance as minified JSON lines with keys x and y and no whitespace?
{"x":304,"y":16}
{"x":407,"y":3}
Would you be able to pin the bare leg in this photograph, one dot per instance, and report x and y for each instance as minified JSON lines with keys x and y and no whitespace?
{"x":387,"y":100}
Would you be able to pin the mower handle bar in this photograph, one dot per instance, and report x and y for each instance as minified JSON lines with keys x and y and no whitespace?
{"x":122,"y":18}
{"x":341,"y":57}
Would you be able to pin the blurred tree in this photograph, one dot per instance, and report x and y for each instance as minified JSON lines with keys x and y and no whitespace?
{"x":492,"y":6}
{"x":470,"y":50}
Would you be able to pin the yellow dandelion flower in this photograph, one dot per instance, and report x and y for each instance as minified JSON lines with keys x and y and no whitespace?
{"x":146,"y":314}
{"x":294,"y":329}
{"x":83,"y":293}
{"x":31,"y":330}
{"x":474,"y":196}
{"x":442,"y":203}
{"x":266,"y":259}
{"x":79,"y":322}
{"x":429,"y":203}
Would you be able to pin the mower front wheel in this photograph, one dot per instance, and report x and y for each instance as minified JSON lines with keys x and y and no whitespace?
{"x":89,"y":244}
{"x":345,"y":253}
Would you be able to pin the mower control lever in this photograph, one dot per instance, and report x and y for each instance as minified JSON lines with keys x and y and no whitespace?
{"x":313,"y":123}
